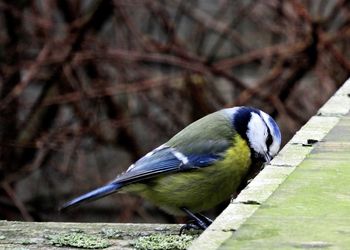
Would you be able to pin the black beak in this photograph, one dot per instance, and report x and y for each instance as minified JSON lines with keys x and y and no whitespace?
{"x":262,"y":158}
{"x":267,"y":157}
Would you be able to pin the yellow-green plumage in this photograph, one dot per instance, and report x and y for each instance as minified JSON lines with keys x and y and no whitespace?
{"x":199,"y":189}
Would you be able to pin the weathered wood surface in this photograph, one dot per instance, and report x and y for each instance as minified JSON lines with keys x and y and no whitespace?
{"x":51,"y":235}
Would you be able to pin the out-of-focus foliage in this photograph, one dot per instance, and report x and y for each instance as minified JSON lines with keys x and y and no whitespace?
{"x":87,"y":87}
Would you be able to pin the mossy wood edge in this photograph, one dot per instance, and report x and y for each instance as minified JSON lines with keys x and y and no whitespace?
{"x":59,"y":235}
{"x":248,"y":202}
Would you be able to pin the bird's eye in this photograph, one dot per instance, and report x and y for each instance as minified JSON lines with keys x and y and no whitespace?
{"x":269,"y":140}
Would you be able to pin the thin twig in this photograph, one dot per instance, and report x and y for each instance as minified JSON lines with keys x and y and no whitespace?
{"x":17,"y":202}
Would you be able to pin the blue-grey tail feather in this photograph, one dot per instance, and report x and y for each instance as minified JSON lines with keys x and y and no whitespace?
{"x":92,"y":195}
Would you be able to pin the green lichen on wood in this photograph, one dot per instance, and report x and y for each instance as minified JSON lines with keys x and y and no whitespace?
{"x":42,"y":235}
{"x":78,"y":240}
{"x":111,"y":233}
{"x":163,"y":242}
{"x":27,"y":242}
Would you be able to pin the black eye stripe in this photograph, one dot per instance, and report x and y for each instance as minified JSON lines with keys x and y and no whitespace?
{"x":269,"y":138}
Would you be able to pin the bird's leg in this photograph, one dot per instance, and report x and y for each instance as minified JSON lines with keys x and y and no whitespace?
{"x":198,"y":221}
{"x":204,"y":218}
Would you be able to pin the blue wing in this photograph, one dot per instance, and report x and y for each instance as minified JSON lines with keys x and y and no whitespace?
{"x":164,"y":159}
{"x":198,"y":145}
{"x":159,"y":161}
{"x":167,"y":159}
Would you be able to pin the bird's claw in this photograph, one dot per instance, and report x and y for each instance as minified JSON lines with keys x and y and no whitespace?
{"x":190,"y":226}
{"x":198,"y":222}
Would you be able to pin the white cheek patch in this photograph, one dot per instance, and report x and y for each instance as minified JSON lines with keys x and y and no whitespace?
{"x":257,"y":133}
{"x":276,"y":136}
{"x":275,"y":146}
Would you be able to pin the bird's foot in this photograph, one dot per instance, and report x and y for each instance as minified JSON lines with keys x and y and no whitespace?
{"x":198,"y":222}
{"x":190,"y":225}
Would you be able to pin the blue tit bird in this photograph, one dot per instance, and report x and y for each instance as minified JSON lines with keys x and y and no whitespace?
{"x":201,"y":166}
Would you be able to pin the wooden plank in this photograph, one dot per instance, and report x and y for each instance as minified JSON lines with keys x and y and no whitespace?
{"x":55,"y":235}
{"x":311,"y":208}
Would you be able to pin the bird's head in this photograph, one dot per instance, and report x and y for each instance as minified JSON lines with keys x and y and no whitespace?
{"x":260,"y":130}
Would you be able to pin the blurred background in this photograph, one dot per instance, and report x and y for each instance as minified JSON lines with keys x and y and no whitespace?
{"x":87,"y":87}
